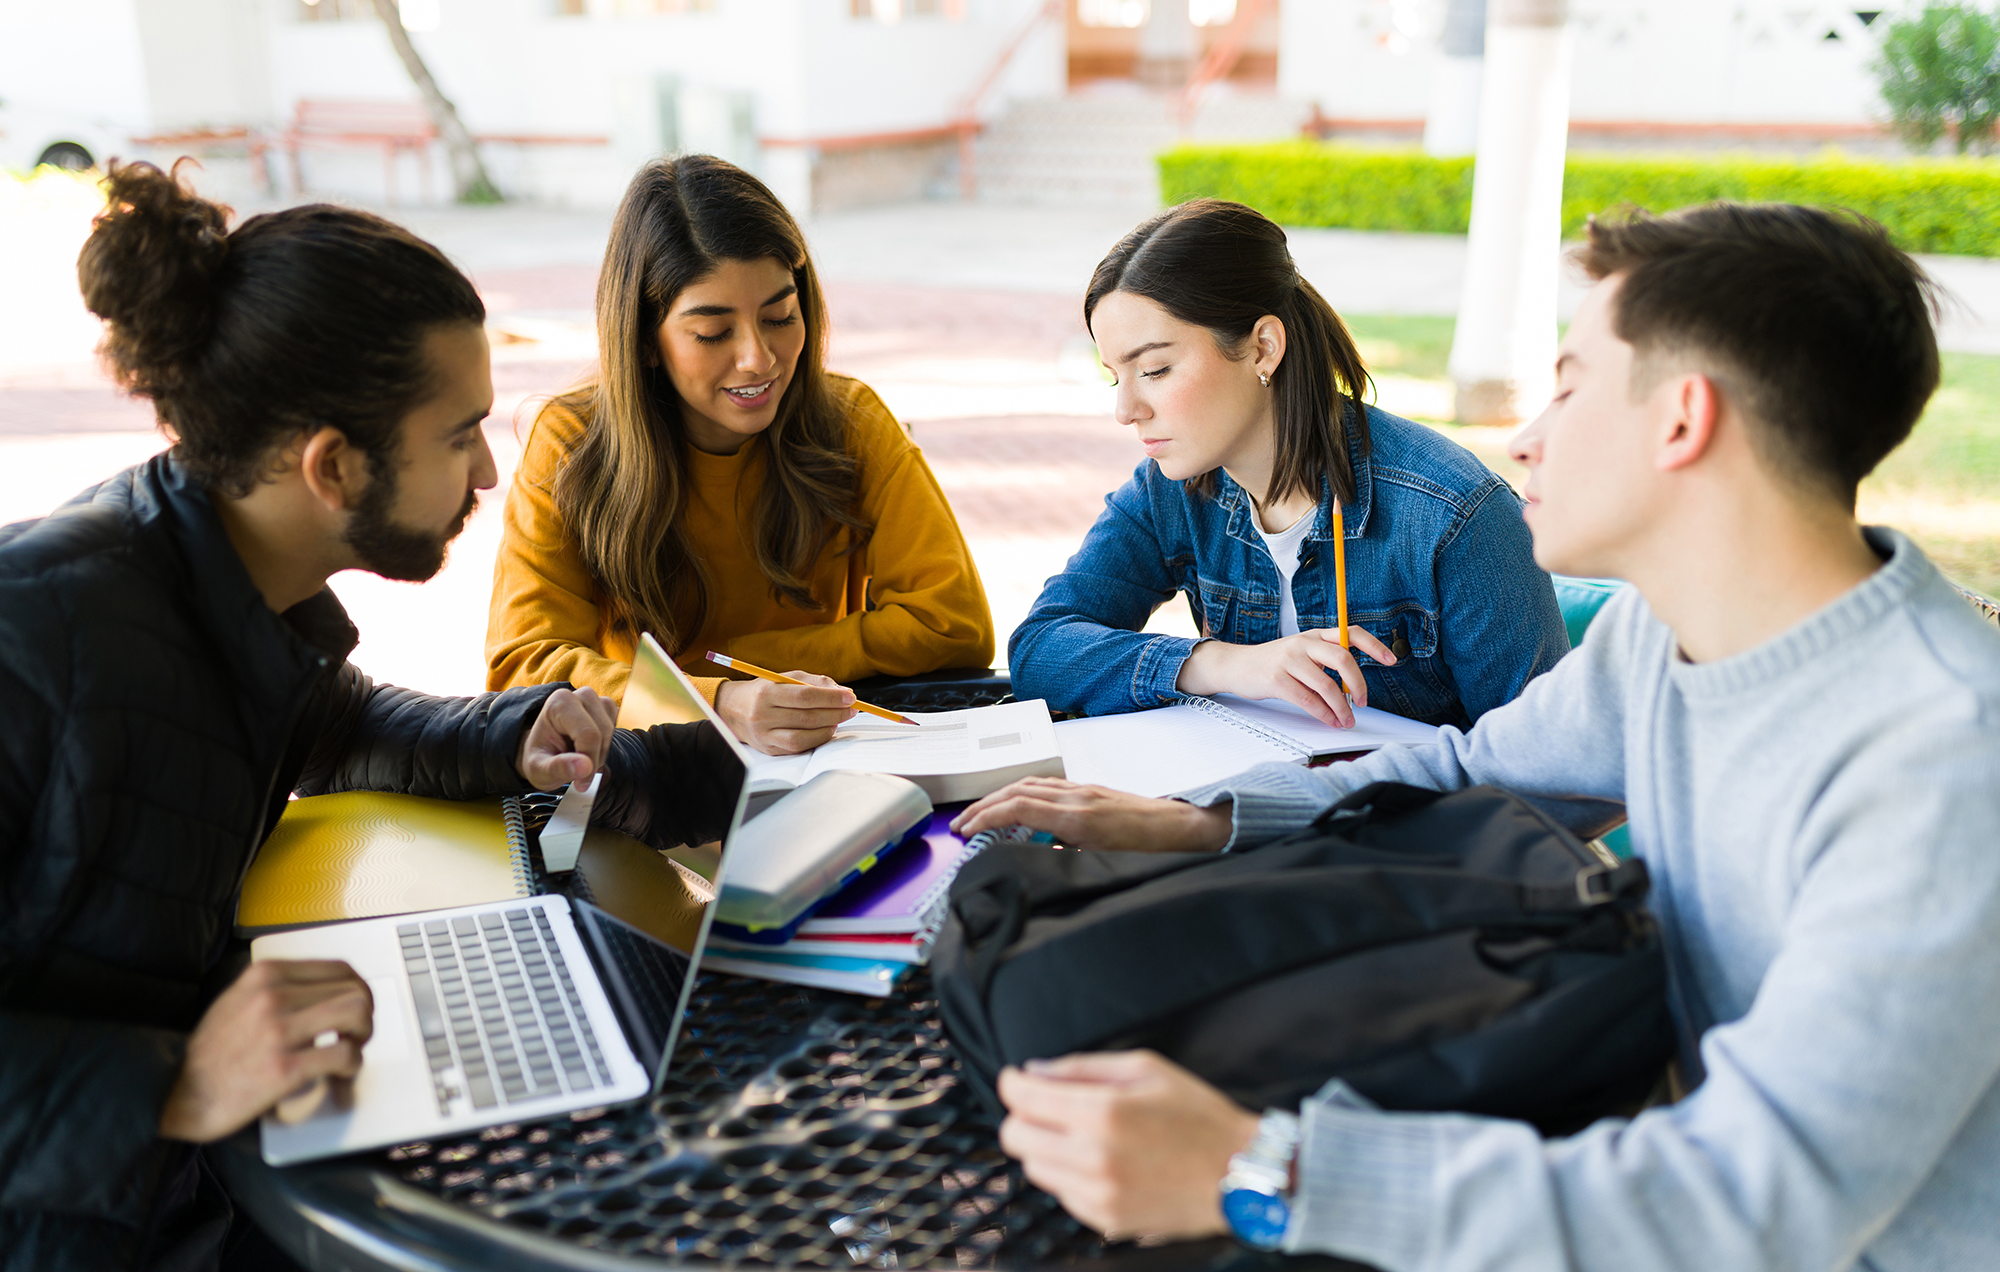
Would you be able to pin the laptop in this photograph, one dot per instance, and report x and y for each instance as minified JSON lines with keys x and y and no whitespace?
{"x":525,"y":1009}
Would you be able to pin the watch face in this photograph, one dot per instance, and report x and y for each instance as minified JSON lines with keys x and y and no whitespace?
{"x":1258,"y":1219}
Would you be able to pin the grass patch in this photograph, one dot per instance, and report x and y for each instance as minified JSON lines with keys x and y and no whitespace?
{"x":1416,"y":345}
{"x":1941,"y":487}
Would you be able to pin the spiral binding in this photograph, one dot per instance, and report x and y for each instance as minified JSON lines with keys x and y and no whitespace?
{"x":1214,"y":708}
{"x":935,"y":905}
{"x":517,"y":845}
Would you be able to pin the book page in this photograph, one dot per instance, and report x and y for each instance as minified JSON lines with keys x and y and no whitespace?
{"x":776,"y":772}
{"x":1162,"y":751}
{"x":1372,"y":727}
{"x":942,"y":742}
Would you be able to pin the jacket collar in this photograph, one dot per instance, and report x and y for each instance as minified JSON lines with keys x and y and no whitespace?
{"x":274,"y":658}
{"x":1235,"y":501}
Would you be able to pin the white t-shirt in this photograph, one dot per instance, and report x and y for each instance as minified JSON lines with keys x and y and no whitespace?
{"x":1284,"y":548}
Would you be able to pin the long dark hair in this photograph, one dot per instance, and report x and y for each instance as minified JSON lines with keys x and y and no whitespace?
{"x":244,"y":339}
{"x":1223,"y":266}
{"x":623,"y":489}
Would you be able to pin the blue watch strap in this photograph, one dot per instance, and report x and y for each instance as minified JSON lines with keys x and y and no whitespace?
{"x":1258,"y":1219}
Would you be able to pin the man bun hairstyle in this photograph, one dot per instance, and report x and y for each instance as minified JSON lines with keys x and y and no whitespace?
{"x":245,"y":339}
{"x":1223,"y":266}
{"x":1817,"y":327}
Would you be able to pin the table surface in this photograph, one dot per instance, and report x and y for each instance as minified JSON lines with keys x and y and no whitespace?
{"x":798,"y":1127}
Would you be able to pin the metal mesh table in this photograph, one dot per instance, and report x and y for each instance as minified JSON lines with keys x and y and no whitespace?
{"x":800,"y":1127}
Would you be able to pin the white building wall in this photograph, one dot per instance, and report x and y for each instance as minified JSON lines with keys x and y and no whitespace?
{"x":807,"y":68}
{"x":77,"y":57}
{"x":1678,"y":61}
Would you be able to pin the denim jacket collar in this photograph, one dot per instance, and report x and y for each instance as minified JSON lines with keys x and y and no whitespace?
{"x":1242,"y":527}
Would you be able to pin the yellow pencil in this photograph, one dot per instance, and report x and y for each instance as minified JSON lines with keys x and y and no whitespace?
{"x":1340,"y":579}
{"x":739,"y":665}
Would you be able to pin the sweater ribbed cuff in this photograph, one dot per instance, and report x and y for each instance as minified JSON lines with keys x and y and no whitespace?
{"x":1365,"y":1182}
{"x":1269,"y":802}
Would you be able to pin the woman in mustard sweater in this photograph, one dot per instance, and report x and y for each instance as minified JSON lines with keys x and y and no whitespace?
{"x":716,"y":486}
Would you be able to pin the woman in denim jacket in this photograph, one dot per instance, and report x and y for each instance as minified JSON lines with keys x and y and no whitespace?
{"x":1233,"y":370}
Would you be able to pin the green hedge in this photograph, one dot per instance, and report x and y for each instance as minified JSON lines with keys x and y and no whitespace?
{"x":1930,"y":205}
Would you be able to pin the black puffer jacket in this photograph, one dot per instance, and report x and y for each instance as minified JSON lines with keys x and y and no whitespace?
{"x":154,"y":713}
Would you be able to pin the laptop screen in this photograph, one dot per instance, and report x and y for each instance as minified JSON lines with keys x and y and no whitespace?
{"x":703,"y":783}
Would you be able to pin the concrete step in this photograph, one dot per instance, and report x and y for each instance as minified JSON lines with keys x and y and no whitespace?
{"x":1100,"y":149}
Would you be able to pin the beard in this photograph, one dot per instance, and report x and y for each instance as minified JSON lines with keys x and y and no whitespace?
{"x":395,"y":551}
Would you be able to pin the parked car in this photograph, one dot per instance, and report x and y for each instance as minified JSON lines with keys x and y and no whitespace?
{"x":31,"y":135}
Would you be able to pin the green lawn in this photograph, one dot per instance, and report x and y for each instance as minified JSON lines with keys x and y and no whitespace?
{"x":1942,"y":487}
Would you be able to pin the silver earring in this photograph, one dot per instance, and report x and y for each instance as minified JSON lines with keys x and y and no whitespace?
{"x":1264,"y":379}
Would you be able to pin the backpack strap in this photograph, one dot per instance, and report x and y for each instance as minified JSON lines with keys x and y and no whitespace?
{"x":1593,"y":886}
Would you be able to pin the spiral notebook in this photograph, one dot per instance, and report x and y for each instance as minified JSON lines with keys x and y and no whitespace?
{"x":1202,"y":740}
{"x":365,"y":854}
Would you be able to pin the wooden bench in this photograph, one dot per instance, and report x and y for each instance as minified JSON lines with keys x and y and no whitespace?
{"x":398,"y":127}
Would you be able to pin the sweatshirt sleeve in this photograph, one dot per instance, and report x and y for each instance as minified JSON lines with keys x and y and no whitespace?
{"x":1561,"y":739}
{"x":926,"y":608}
{"x":1870,"y":1044}
{"x":544,"y":624}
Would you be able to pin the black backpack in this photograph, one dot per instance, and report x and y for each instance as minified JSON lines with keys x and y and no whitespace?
{"x":1438,"y":951}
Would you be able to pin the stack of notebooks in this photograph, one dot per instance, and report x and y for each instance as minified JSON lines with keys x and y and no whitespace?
{"x":865,"y":937}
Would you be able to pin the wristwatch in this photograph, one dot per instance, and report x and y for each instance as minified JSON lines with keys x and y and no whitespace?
{"x":1257,"y":1191}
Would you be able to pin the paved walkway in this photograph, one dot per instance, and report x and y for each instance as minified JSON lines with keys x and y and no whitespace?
{"x":966,"y":318}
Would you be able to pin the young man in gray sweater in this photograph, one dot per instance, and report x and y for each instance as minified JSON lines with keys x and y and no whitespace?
{"x":1802,"y":719}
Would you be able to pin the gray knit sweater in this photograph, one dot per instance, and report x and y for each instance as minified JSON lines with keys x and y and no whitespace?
{"x":1821,"y":818}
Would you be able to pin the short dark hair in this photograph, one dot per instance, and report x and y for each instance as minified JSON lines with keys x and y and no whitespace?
{"x":243,"y":339}
{"x":1819,"y":328}
{"x":1223,"y":266}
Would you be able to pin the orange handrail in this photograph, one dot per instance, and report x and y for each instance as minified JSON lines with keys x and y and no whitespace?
{"x":1220,"y":59}
{"x":967,"y":120}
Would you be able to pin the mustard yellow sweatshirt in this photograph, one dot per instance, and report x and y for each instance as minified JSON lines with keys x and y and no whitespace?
{"x":909,"y":602}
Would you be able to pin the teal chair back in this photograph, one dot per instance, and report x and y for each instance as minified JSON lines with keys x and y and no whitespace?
{"x":1580,"y":599}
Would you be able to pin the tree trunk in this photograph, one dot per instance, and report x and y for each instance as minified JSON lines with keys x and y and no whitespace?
{"x":470,"y":184}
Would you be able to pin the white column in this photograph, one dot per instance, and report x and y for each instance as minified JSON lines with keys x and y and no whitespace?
{"x":1169,"y":46}
{"x":1452,"y":128}
{"x":1503,"y":352}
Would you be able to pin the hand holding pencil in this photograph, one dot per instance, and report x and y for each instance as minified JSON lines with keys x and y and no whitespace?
{"x":783,"y":713}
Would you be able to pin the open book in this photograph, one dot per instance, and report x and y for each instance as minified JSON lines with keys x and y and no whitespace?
{"x":1202,"y":740}
{"x":953,"y":755}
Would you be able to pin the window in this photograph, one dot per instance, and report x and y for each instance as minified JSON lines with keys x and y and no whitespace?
{"x":897,"y":10}
{"x":626,"y":8}
{"x":336,"y":11}
{"x":1113,"y":13}
{"x":418,"y":15}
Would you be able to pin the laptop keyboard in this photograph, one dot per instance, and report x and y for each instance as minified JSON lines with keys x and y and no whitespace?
{"x":500,"y":1015}
{"x":654,"y":974}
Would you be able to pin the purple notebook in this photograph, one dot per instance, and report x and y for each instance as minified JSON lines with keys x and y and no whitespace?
{"x":906,"y":890}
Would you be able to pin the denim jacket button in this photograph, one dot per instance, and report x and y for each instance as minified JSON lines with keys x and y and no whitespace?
{"x":1400,"y":647}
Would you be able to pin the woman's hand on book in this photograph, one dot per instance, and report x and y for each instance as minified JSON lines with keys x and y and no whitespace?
{"x":1098,"y":817}
{"x":784,"y":719}
{"x":1294,"y":668}
{"x":568,"y":740}
{"x":281,"y":1026}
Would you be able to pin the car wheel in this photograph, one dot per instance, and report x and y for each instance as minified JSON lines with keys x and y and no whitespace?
{"x":68,"y":156}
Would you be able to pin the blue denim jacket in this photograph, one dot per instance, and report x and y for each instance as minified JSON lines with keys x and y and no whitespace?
{"x":1439,"y":563}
